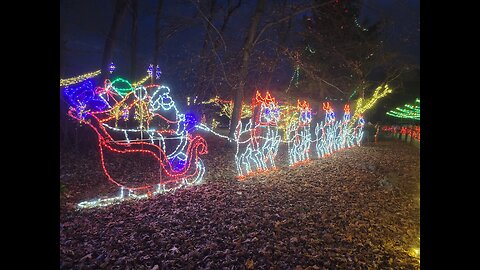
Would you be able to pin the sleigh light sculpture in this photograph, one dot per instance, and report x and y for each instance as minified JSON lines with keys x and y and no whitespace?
{"x":141,"y":120}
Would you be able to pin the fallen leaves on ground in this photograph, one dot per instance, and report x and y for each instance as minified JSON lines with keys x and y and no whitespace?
{"x":357,"y":209}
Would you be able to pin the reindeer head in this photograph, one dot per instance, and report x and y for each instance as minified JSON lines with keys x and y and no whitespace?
{"x":346,"y":115}
{"x":305,"y":112}
{"x":269,"y":110}
{"x":361,"y":121}
{"x":329,"y":114}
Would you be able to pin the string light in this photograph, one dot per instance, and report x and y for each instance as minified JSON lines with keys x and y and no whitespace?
{"x":299,"y":138}
{"x":354,"y":92}
{"x":257,"y":143}
{"x":215,"y":123}
{"x":121,"y":91}
{"x":158,"y":73}
{"x":358,"y":132}
{"x":326,"y":138}
{"x":84,"y":99}
{"x":140,"y":82}
{"x":334,"y":135}
{"x":111,"y":68}
{"x":331,"y":136}
{"x":261,"y":134}
{"x":296,"y":72}
{"x":364,"y":105}
{"x":407,"y":112}
{"x":345,"y":135}
{"x":160,"y":189}
{"x":295,"y":77}
{"x":226,"y":107}
{"x":413,"y":131}
{"x":100,"y":107}
{"x":359,"y":26}
{"x":150,"y":70}
{"x":79,"y":79}
{"x":289,"y":112}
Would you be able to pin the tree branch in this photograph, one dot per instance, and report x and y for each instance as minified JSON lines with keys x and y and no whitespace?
{"x":268,"y":25}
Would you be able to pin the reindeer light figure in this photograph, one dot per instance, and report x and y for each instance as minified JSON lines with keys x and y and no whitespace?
{"x":358,"y":131}
{"x":321,"y":140}
{"x":257,"y":143}
{"x":299,"y":137}
{"x":346,"y":137}
{"x":331,"y":127}
{"x":328,"y":139}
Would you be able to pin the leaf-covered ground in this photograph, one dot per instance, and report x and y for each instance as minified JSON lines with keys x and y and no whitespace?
{"x":357,"y":209}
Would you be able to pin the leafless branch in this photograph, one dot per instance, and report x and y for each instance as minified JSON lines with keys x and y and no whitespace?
{"x":268,"y":25}
{"x":211,"y":24}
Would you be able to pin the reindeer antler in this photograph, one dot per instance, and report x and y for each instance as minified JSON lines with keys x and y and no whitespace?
{"x":266,"y":100}
{"x":303,"y":105}
{"x":327,"y":107}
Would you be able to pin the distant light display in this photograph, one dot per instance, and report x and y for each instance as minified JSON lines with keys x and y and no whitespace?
{"x":407,"y":112}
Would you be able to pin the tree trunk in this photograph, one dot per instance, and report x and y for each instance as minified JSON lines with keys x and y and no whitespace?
{"x":64,"y":136}
{"x":158,"y":40}
{"x":201,"y":89}
{"x":247,"y":49}
{"x":209,"y":70}
{"x":283,"y":35}
{"x":133,"y":53}
{"x":120,"y":9}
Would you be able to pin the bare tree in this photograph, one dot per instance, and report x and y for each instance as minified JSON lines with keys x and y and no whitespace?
{"x":349,"y":58}
{"x":158,"y":37}
{"x":119,"y":13}
{"x":247,"y":48}
{"x":283,"y":31}
{"x":133,"y":52}
{"x":208,"y":25}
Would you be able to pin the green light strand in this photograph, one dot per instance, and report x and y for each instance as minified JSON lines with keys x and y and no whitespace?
{"x":352,"y":94}
{"x":295,"y":77}
{"x":407,"y":112}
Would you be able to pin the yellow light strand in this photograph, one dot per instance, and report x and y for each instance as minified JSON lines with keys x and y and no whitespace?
{"x":141,"y":81}
{"x":80,"y":78}
{"x":362,"y":106}
{"x":290,"y":116}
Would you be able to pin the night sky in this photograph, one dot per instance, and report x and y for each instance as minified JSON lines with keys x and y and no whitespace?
{"x":84,"y":24}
